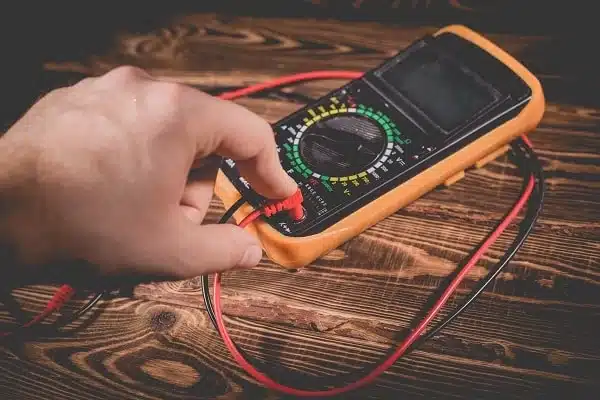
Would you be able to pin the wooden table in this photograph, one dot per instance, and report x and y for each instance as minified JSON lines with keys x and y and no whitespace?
{"x":534,"y":334}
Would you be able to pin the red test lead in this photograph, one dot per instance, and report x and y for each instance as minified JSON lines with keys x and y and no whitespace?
{"x":61,"y":296}
{"x":404,"y":346}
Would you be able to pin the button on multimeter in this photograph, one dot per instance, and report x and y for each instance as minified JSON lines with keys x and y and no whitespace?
{"x":450,"y":101}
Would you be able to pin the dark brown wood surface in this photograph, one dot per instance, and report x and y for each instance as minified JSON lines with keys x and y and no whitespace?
{"x":534,"y":334}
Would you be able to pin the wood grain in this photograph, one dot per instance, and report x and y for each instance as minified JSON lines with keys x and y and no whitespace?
{"x":533,"y":335}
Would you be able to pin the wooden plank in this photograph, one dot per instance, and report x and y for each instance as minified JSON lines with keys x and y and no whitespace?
{"x":168,"y":352}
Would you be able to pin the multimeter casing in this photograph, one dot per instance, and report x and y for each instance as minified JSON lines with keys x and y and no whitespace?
{"x":424,"y":145}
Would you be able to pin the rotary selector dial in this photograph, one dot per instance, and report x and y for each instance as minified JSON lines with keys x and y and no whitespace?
{"x":341,"y":143}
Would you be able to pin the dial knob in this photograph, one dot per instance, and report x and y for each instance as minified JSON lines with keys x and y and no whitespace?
{"x":342,"y":145}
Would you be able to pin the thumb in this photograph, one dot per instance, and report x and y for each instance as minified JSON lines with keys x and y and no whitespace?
{"x":195,"y":250}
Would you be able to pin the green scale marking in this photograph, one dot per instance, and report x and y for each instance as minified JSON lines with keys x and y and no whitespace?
{"x":390,"y":129}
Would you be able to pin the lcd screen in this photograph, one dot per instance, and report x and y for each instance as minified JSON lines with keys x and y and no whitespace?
{"x":442,"y":90}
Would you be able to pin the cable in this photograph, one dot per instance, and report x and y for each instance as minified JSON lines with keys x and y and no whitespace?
{"x":526,"y":227}
{"x":414,"y":337}
{"x":277,"y":94}
{"x":66,"y":320}
{"x":54,"y":306}
{"x":204,"y":278}
{"x":405,"y":345}
{"x":61,"y":296}
{"x":286,"y":80}
{"x":229,"y":213}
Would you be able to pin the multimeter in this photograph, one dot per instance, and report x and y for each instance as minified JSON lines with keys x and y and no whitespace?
{"x":449,"y":101}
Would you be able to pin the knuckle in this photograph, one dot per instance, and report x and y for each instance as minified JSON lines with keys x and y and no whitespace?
{"x":256,"y":124}
{"x":264,"y":137}
{"x":265,"y":127}
{"x":55,"y":94}
{"x":168,"y":98}
{"x":171,"y":92}
{"x":87,"y":81}
{"x":125,"y":73}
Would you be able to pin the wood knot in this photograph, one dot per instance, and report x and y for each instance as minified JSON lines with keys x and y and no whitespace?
{"x":163,"y":321}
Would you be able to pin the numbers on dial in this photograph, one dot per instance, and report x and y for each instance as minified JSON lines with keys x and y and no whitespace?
{"x":346,"y":145}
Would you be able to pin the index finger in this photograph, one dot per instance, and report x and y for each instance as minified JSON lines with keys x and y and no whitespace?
{"x":222,"y":127}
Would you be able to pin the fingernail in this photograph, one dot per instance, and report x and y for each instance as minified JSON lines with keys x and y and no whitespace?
{"x":252,"y":257}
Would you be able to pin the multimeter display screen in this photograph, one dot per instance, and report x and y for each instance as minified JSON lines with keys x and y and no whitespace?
{"x":362,"y":140}
{"x":445,"y":93}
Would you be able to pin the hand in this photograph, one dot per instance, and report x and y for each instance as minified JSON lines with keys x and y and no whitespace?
{"x":100,"y":172}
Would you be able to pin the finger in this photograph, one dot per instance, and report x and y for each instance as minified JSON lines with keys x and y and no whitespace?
{"x":199,"y":190}
{"x":192,"y":213}
{"x":191,"y":250}
{"x":217,"y":126}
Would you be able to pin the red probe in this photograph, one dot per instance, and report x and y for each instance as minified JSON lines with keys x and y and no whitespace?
{"x":293,"y":206}
{"x":61,"y":296}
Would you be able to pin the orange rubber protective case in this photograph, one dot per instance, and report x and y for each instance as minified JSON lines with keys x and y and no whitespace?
{"x":297,"y":252}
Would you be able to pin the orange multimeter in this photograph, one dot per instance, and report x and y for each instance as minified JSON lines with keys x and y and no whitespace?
{"x":449,"y":101}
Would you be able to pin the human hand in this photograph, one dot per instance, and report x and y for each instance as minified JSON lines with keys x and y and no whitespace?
{"x":99,"y":172}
